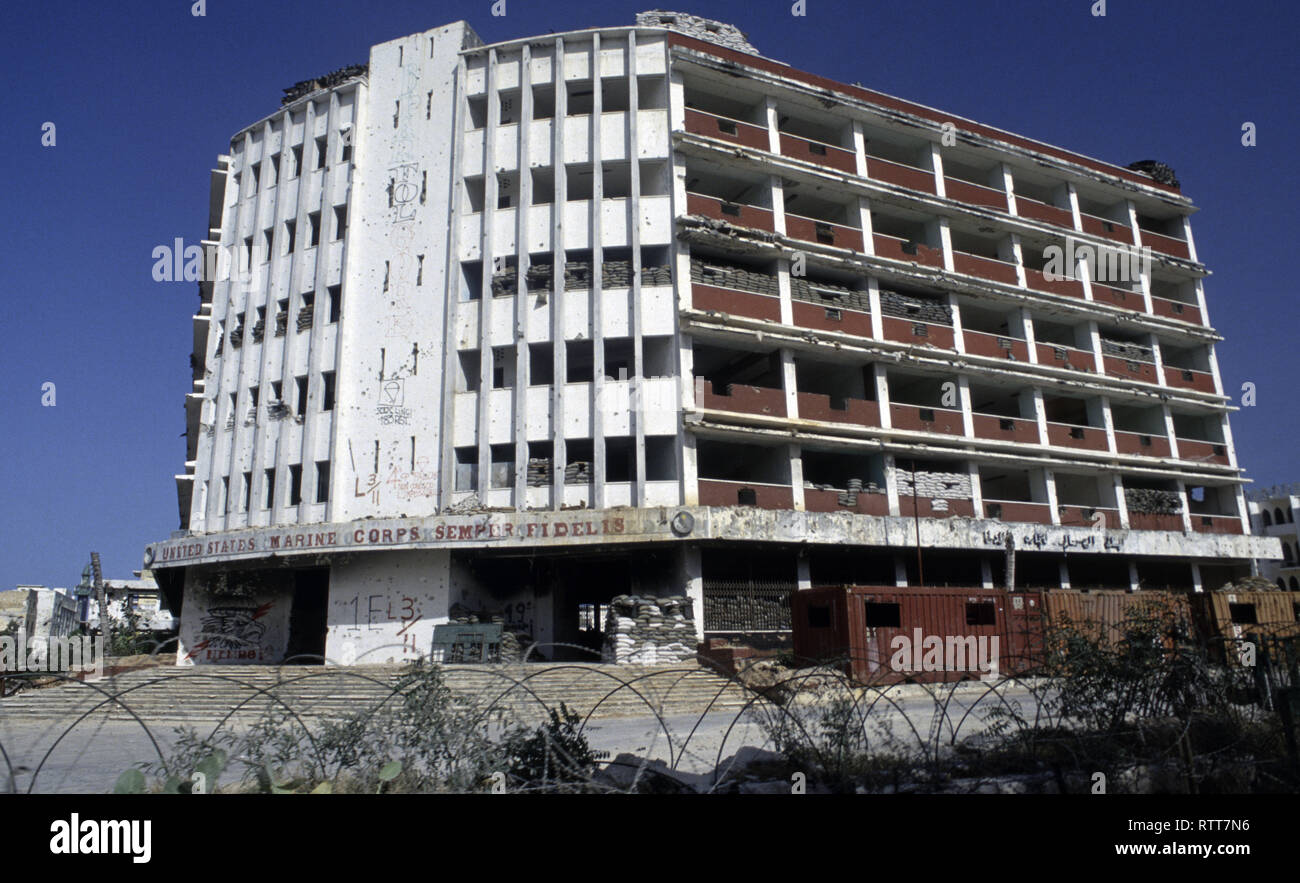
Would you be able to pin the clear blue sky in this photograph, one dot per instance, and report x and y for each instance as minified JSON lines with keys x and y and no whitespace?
{"x":145,"y":96}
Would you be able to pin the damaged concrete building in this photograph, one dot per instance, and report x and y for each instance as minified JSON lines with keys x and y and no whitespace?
{"x":516,"y":330}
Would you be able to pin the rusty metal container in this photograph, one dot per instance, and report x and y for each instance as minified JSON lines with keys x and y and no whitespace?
{"x":887,"y":634}
{"x":1234,"y":615}
{"x":1104,"y":614}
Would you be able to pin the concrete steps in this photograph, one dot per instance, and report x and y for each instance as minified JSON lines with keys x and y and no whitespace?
{"x":210,"y":693}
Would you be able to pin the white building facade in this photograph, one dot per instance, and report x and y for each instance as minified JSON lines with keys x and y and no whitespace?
{"x":519,"y":328}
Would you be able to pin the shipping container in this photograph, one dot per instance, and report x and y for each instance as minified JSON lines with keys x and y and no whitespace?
{"x":887,"y":634}
{"x":1233,"y":616}
{"x":1103,"y":615}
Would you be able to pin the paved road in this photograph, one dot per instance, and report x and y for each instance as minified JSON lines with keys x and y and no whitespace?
{"x":48,"y":756}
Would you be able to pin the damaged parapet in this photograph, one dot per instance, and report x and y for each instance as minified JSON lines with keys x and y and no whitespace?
{"x":1159,"y":172}
{"x":706,"y":29}
{"x":648,"y":631}
{"x":328,"y":81}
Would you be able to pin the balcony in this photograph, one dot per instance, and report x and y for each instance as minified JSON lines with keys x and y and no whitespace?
{"x":817,"y":152}
{"x":921,"y":419}
{"x":897,"y":173}
{"x":974,"y":194}
{"x":731,"y":212}
{"x":1186,"y":378}
{"x":815,"y":500}
{"x":710,"y":125}
{"x":1041,"y":211}
{"x":735,"y":303}
{"x":1070,"y":435}
{"x":924,"y":507}
{"x":1128,"y":369}
{"x":1038,"y":281}
{"x":907,"y":331}
{"x":1142,"y":445}
{"x":1202,"y":451}
{"x":1154,"y":521}
{"x":1012,"y":510}
{"x":824,"y":232}
{"x":1012,"y":429}
{"x":996,"y":346}
{"x":985,"y":268}
{"x":1086,"y":516}
{"x":1229,"y":524}
{"x":897,"y":249}
{"x":1118,"y":297}
{"x":1058,"y":356}
{"x":715,"y":492}
{"x":830,"y":318}
{"x":1166,"y":244}
{"x":1173,"y":309}
{"x":743,"y":399}
{"x":1116,"y":230}
{"x":815,"y":406}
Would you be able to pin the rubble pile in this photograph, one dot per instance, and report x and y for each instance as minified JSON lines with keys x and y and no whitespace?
{"x":641,"y":630}
{"x":328,"y":81}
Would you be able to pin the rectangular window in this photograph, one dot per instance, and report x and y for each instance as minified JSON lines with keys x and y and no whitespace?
{"x":880,"y":614}
{"x":335,"y":293}
{"x":301,"y":385}
{"x":322,"y":481}
{"x":466,"y":469}
{"x":297,"y":160}
{"x":327,"y":392}
{"x":269,"y":499}
{"x":254,"y":174}
{"x":248,"y":492}
{"x":321,"y":153}
{"x":340,"y":222}
{"x":313,"y":220}
{"x":981,"y":613}
{"x":295,"y":484}
{"x":346,"y":152}
{"x":290,"y":228}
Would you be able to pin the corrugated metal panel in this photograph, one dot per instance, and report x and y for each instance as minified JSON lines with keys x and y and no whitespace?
{"x":1268,"y":613}
{"x":839,"y":628}
{"x":1102,"y":614}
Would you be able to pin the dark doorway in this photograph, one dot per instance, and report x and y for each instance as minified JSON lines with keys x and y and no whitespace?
{"x":307,"y":617}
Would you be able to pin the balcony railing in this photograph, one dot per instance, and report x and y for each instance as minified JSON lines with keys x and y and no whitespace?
{"x":906,"y":250}
{"x":999,"y":428}
{"x":1203,"y":451}
{"x":1175,"y":309}
{"x":1086,"y":516}
{"x":743,"y":399}
{"x":974,"y":194}
{"x":1186,"y":378}
{"x":1066,"y":357}
{"x":1015,"y":510}
{"x":1154,"y":521}
{"x":902,"y":175}
{"x":1041,"y":211}
{"x":711,"y":125}
{"x":1142,"y":444}
{"x":732,"y":212}
{"x":735,"y":302}
{"x":831,"y":318}
{"x":996,"y":346}
{"x":1130,"y":369}
{"x":806,"y":149}
{"x":1118,"y":297}
{"x":1216,"y":523}
{"x":717,"y":492}
{"x":907,"y":331}
{"x":1166,"y":244}
{"x":1071,"y":435}
{"x":924,"y":507}
{"x":815,"y":406}
{"x":984,"y":267}
{"x":1116,"y":230}
{"x":816,"y":500}
{"x":921,"y":419}
{"x":813,"y":230}
{"x":1038,"y":281}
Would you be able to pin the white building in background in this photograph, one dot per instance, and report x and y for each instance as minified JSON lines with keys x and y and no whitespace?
{"x":51,"y":613}
{"x":635,"y":310}
{"x":1273,"y":514}
{"x":137,"y":602}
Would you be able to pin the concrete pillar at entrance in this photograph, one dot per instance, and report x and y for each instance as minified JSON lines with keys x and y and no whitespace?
{"x":383,"y":606}
{"x":690,"y":582}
